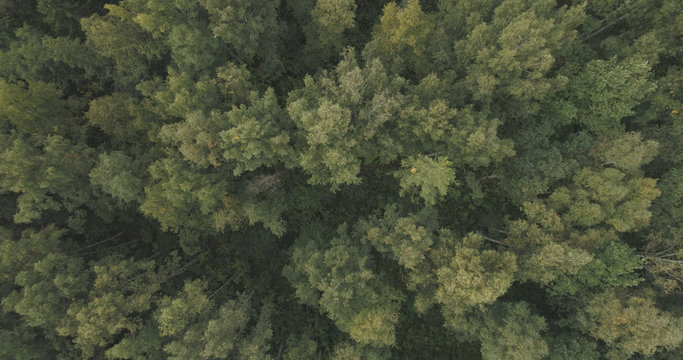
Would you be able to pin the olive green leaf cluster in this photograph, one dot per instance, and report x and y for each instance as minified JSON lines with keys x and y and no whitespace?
{"x":339,"y":179}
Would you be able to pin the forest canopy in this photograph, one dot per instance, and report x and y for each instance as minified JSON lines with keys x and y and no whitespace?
{"x":339,"y":179}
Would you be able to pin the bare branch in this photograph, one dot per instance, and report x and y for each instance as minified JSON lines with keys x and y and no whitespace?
{"x":658,"y":258}
{"x":495,"y":241}
{"x":492,"y":176}
{"x":279,"y":352}
{"x":109,"y":248}
{"x":181,"y":270}
{"x":222,"y":286}
{"x":600,"y":30}
{"x":99,"y":242}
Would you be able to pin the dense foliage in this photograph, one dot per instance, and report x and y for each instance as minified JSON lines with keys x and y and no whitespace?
{"x":338,"y":179}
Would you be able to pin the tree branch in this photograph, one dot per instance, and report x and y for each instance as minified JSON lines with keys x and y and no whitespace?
{"x":500,"y":231}
{"x":279,"y":352}
{"x":181,"y":270}
{"x":600,"y":30}
{"x":235,"y":56}
{"x":99,"y":242}
{"x":657,"y":258}
{"x":492,"y":176}
{"x":109,"y":248}
{"x":495,"y":241}
{"x":222,"y":286}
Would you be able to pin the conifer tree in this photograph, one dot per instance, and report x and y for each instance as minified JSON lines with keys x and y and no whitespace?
{"x":337,"y":179}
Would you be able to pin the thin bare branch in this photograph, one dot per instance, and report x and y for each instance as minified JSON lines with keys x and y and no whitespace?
{"x":495,"y":241}
{"x":100,"y":242}
{"x":658,"y":258}
{"x":602,"y":29}
{"x":279,"y":352}
{"x":109,"y":248}
{"x":222,"y":286}
{"x":181,"y":270}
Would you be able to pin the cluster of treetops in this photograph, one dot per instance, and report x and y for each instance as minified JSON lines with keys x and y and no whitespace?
{"x":339,"y":179}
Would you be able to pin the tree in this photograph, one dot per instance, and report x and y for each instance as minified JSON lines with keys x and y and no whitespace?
{"x":121,"y":291}
{"x":427,"y":177}
{"x":181,"y":197}
{"x":43,"y":281}
{"x":115,"y":115}
{"x":609,"y":90}
{"x":249,"y":28}
{"x":48,"y":173}
{"x":511,"y":331}
{"x":37,"y":108}
{"x":324,"y":28}
{"x":344,"y":123}
{"x":404,"y":39}
{"x":200,"y":332}
{"x":117,"y":37}
{"x":629,"y":325}
{"x":473,"y":278}
{"x":219,"y":179}
{"x":337,"y":278}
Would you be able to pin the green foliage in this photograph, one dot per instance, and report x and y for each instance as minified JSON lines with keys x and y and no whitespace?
{"x":117,"y":37}
{"x":405,"y":239}
{"x":329,"y":123}
{"x":630,"y":325}
{"x":324,"y":28}
{"x":32,"y":57}
{"x":553,"y":260}
{"x":169,"y":201}
{"x":578,"y":348}
{"x":605,"y":196}
{"x":182,"y":94}
{"x":614,"y":266}
{"x":200,"y":138}
{"x":473,"y":278}
{"x":249,"y":27}
{"x":62,"y":16}
{"x":114,"y":115}
{"x":337,"y":179}
{"x":47,"y":290}
{"x":46,"y":279}
{"x":118,"y":176}
{"x":36,"y":108}
{"x":627,"y":153}
{"x":299,"y":348}
{"x":18,"y":342}
{"x":201,"y":332}
{"x":661,"y":258}
{"x":511,"y":54}
{"x":667,"y":211}
{"x":257,"y":136}
{"x":570,"y":240}
{"x":428,"y":177}
{"x":144,"y":344}
{"x":333,"y":17}
{"x":346,"y":351}
{"x":49,"y":174}
{"x":340,"y":116}
{"x":338,"y":278}
{"x":121,"y":292}
{"x":608,"y":92}
{"x":403,"y":39}
{"x":511,"y":331}
{"x":174,"y":315}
